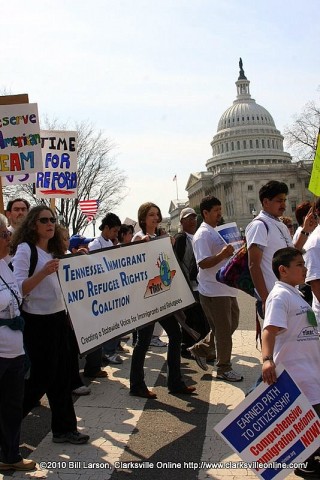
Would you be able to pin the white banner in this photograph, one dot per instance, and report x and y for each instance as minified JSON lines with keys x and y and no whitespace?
{"x":113,"y":291}
{"x":20,"y":143}
{"x":57,"y":178}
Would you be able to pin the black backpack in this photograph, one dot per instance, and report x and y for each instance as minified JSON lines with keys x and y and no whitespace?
{"x":33,"y":259}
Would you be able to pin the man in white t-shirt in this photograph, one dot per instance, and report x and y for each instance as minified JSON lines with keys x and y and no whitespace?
{"x":312,"y":259}
{"x":265,"y":235}
{"x":109,"y":228}
{"x":218,"y":301}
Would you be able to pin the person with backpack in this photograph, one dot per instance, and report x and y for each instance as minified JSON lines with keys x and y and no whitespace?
{"x":46,"y":323}
{"x":195,"y":317}
{"x":269,"y":234}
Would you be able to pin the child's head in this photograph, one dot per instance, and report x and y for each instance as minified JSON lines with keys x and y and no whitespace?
{"x":288,"y":266}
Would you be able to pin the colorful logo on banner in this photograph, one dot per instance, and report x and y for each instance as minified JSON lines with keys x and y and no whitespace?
{"x":162,"y":282}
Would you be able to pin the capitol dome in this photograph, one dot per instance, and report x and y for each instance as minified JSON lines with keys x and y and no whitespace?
{"x":247,"y":152}
{"x":246,"y":133}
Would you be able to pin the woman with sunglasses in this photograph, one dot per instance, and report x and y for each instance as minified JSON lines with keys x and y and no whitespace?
{"x":11,"y":363}
{"x":46,"y":323}
{"x":149,"y":218}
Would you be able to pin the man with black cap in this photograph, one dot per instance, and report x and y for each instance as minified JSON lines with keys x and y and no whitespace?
{"x":195,"y":317}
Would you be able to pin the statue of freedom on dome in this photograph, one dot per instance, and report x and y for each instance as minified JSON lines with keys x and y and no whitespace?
{"x":241,"y":73}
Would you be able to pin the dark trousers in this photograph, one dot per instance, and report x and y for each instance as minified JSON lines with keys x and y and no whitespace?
{"x":11,"y":399}
{"x":46,"y":341}
{"x":93,"y":362}
{"x":196,"y":319}
{"x":75,"y":379}
{"x":174,"y":379}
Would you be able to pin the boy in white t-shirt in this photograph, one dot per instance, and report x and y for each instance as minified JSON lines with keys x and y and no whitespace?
{"x":290,"y":335}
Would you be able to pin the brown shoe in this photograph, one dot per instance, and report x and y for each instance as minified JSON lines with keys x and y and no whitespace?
{"x":183,"y":390}
{"x":25,"y":465}
{"x":98,"y":374}
{"x":143,"y":393}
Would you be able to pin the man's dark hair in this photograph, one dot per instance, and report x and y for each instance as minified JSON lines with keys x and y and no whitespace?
{"x":11,"y":202}
{"x":111,"y":220}
{"x":272,"y":189}
{"x":301,"y":211}
{"x":283,"y":257}
{"x":207,"y":203}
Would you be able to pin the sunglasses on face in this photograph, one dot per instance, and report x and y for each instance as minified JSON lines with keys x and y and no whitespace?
{"x":46,"y":220}
{"x":5,"y":235}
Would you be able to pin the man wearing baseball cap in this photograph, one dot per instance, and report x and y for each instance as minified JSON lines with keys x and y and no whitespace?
{"x":77,"y":242}
{"x":195,"y":317}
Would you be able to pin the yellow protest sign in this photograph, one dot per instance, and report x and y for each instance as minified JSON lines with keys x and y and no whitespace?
{"x":314,"y":184}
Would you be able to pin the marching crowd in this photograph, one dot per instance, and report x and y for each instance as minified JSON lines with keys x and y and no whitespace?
{"x":38,"y":348}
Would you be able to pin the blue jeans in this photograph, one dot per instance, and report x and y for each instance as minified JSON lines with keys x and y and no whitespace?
{"x":174,"y":378}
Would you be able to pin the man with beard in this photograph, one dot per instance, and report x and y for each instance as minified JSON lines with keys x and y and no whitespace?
{"x":16,"y":211}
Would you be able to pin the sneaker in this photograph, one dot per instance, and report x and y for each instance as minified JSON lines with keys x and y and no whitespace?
{"x":311,"y":470}
{"x":230,"y":376}
{"x":121,"y":349}
{"x":76,"y":438}
{"x":201,"y":361}
{"x":83,"y":390}
{"x":113,"y":359}
{"x":24,"y":465}
{"x":156,"y":342}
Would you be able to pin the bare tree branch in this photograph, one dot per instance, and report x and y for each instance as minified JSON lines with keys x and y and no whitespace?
{"x":99,"y":177}
{"x":301,"y":136}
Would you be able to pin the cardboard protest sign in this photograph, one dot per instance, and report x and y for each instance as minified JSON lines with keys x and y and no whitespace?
{"x":230,"y":234}
{"x":20,"y":143}
{"x":18,"y":179}
{"x":57,"y":178}
{"x":274,"y":429}
{"x":112,"y":291}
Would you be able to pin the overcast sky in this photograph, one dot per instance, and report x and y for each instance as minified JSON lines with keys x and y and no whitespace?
{"x":156,"y":75}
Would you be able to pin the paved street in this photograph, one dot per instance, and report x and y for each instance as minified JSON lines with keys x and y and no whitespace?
{"x":174,"y":433}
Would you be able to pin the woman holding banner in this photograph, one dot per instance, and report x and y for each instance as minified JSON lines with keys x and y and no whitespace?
{"x":35,"y":245}
{"x":149,"y":218}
